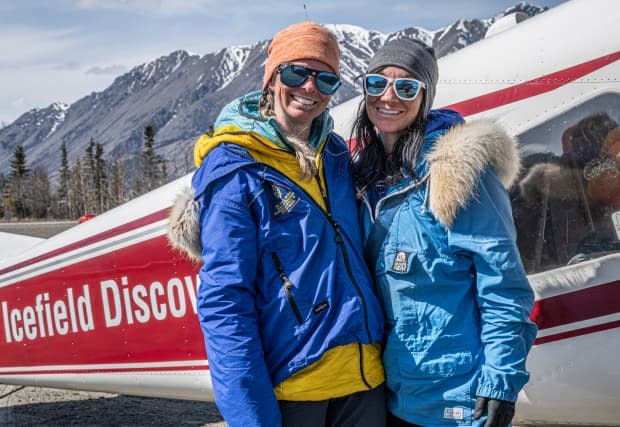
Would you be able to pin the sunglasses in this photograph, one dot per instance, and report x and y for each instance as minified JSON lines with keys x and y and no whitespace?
{"x":406,"y":89}
{"x":296,"y":75}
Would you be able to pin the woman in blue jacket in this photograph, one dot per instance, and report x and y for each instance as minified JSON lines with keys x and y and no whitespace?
{"x":441,"y":241}
{"x":291,"y":322}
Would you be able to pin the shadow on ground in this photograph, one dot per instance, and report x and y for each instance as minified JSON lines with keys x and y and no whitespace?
{"x":116,"y":410}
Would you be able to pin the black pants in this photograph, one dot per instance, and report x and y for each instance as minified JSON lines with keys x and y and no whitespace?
{"x":363,"y":409}
{"x":393,"y":421}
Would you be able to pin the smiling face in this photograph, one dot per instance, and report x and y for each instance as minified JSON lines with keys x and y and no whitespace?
{"x":390,"y":114}
{"x":296,"y":107}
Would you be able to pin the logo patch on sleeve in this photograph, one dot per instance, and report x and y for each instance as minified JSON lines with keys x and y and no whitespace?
{"x":401,"y":261}
{"x":453,"y":413}
{"x":285,"y":200}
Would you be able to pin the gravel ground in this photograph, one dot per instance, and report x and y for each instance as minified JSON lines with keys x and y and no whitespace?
{"x":35,"y":406}
{"x":43,"y":229}
{"x":47,"y":407}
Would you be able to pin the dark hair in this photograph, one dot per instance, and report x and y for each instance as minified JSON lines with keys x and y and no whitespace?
{"x":586,"y":138}
{"x":370,"y":163}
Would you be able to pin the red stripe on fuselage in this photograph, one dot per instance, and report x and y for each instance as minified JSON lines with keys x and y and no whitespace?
{"x":531,"y":88}
{"x":577,"y":306}
{"x":140,"y":222}
{"x":578,"y":332}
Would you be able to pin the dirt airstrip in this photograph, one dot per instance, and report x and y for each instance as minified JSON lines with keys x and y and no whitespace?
{"x":36,"y":406}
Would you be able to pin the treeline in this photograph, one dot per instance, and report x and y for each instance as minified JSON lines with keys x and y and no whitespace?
{"x":87,"y":185}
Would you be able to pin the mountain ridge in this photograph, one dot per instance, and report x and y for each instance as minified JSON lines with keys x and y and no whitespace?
{"x":180,"y":95}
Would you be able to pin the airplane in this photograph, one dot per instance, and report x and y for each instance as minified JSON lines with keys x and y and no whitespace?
{"x":109,"y":306}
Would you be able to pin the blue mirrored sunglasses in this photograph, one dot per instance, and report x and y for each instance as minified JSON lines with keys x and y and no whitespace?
{"x":406,"y":89}
{"x":294,"y":75}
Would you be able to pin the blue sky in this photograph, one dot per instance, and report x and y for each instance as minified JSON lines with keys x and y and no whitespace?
{"x":62,"y":50}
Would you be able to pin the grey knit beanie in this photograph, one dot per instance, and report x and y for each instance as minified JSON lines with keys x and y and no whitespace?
{"x":413,"y":56}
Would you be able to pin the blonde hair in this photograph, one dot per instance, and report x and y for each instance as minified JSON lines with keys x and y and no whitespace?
{"x":304,"y":153}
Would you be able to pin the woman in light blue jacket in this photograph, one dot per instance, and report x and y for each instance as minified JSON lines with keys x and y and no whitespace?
{"x":441,"y":241}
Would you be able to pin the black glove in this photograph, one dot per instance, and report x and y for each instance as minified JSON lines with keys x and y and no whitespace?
{"x":499,"y":412}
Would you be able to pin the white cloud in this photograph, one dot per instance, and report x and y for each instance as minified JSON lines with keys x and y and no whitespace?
{"x":109,"y":69}
{"x":24,"y":45}
{"x":404,"y":7}
{"x":129,"y":5}
{"x":18,"y":103}
{"x":69,"y":65}
{"x":157,"y":7}
{"x":37,"y":87}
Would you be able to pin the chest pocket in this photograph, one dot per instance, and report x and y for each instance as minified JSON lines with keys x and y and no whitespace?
{"x":416,"y":231}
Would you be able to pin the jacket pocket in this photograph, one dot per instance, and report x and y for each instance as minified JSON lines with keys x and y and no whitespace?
{"x":287,"y":286}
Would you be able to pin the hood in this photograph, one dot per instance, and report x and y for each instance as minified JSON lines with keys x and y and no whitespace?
{"x":458,"y":160}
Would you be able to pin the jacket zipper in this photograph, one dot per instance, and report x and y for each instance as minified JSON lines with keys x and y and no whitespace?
{"x":347,"y":263}
{"x":287,"y":285}
{"x":340,"y":242}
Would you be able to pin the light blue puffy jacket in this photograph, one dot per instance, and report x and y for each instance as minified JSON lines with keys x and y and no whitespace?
{"x":456,"y":296}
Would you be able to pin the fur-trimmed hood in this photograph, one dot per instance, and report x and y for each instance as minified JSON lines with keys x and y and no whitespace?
{"x":458,"y":159}
{"x":183,"y":225}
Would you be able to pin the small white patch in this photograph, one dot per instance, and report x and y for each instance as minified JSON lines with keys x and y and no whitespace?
{"x":401,"y":261}
{"x":453,"y":413}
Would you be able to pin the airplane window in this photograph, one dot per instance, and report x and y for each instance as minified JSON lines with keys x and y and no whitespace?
{"x":566,"y":204}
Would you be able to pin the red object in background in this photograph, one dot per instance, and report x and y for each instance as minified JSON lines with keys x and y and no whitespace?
{"x":85,"y":218}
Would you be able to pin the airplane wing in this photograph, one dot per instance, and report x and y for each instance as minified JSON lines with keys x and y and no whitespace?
{"x":14,"y":244}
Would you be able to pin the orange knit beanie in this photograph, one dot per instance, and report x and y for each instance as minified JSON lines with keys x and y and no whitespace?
{"x":304,"y":40}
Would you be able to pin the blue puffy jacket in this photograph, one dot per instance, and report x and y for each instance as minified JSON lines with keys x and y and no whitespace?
{"x":284,"y":279}
{"x":456,"y":296}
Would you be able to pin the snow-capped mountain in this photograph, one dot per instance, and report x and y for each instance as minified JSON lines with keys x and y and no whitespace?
{"x":181,"y":94}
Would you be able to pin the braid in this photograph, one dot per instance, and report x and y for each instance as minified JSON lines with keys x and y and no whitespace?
{"x":303,"y":152}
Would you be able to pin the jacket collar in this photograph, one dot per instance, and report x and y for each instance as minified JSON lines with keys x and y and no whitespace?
{"x":458,"y":160}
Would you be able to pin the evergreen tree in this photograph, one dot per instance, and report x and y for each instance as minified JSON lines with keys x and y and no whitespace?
{"x":150,"y":160}
{"x":76,"y":190}
{"x":5,"y":207}
{"x":89,"y":185}
{"x":18,"y":163}
{"x":101,"y":180}
{"x":19,"y":171}
{"x":62,"y":190}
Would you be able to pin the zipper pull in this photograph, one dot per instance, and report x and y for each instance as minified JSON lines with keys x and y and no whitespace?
{"x":339,"y":238}
{"x":280,"y":268}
